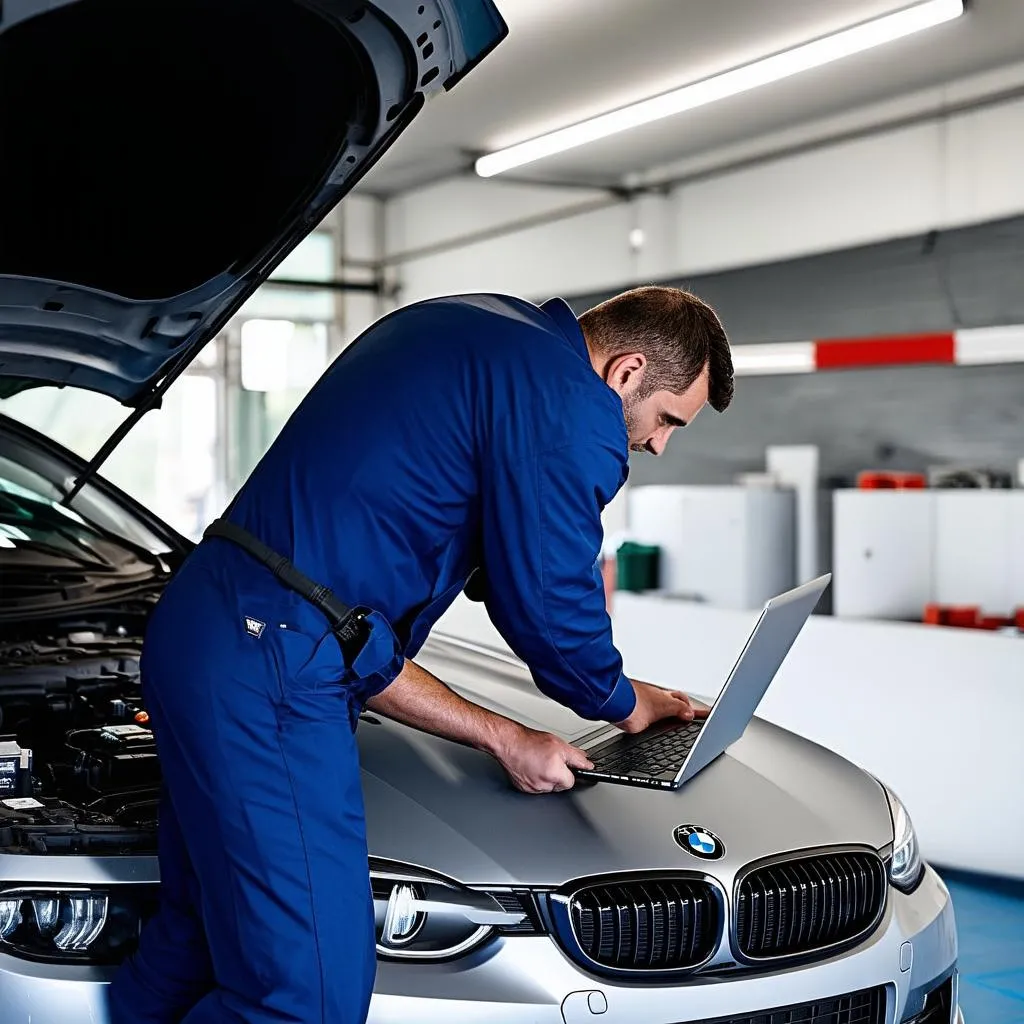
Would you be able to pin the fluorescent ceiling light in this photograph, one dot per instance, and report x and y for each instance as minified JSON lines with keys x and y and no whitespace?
{"x":730,"y":83}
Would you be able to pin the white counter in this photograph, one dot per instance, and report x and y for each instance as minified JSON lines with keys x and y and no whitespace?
{"x":938,"y":714}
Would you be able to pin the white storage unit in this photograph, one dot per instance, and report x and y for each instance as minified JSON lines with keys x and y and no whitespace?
{"x":731,"y":547}
{"x":883,"y":543}
{"x":896,"y":551}
{"x":796,"y":466}
{"x":979,"y":549}
{"x":1017,"y":550}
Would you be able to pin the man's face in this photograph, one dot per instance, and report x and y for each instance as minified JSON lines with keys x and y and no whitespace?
{"x":651,"y":420}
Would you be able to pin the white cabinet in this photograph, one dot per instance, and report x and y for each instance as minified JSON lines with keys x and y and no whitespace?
{"x":882,"y":553}
{"x":978,"y":549}
{"x":896,"y":551}
{"x":1017,"y":550}
{"x":731,"y":547}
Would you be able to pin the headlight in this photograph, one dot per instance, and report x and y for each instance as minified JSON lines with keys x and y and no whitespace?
{"x":420,"y":916}
{"x":906,"y":866}
{"x":72,"y":925}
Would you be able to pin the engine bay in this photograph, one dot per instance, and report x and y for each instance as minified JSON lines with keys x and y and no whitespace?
{"x":78,"y":764}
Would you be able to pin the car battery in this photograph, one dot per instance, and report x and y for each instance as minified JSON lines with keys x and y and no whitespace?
{"x":15,"y":769}
{"x":113,"y":758}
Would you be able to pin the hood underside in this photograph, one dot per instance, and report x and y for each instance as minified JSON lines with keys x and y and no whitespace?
{"x":160,"y":159}
{"x":439,"y":805}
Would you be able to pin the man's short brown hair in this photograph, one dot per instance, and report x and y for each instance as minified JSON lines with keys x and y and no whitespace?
{"x":678,"y":333}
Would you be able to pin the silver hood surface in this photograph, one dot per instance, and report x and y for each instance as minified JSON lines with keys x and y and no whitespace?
{"x":436,"y":804}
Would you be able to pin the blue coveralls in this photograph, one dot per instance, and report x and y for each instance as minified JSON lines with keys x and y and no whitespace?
{"x":455,"y":433}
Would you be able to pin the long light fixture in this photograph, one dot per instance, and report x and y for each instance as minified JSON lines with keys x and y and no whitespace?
{"x":814,"y":54}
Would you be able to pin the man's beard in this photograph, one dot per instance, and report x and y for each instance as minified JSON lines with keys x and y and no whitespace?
{"x":629,"y":412}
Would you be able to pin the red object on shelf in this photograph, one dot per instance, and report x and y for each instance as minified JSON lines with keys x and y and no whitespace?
{"x":873,"y":480}
{"x":994,"y":622}
{"x":964,"y":617}
{"x":960,"y":616}
{"x":968,"y":617}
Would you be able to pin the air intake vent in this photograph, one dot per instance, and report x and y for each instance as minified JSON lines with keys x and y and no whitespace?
{"x":811,"y":904}
{"x":656,"y":925}
{"x":516,"y":903}
{"x":859,"y":1008}
{"x":938,"y":1005}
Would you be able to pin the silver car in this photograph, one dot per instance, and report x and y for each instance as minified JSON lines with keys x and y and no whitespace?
{"x":165,"y":158}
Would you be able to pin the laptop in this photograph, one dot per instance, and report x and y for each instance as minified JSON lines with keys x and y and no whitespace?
{"x":672,"y":752}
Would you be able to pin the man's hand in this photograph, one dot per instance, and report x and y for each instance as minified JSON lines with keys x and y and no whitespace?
{"x":540,"y":762}
{"x":536,"y":762}
{"x":653,"y":704}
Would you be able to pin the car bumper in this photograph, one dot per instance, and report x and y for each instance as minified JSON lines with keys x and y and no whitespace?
{"x":523,"y":979}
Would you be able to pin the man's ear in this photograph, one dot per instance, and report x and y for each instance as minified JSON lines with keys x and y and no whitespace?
{"x":625,"y":374}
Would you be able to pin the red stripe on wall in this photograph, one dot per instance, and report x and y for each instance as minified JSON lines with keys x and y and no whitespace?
{"x":884,"y":351}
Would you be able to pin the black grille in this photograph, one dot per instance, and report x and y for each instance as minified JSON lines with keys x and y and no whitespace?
{"x":938,"y":1006}
{"x":859,"y":1008}
{"x":805,"y":905}
{"x":650,"y":925}
{"x":518,"y":902}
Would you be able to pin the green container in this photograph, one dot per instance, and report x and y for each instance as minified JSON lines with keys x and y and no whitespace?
{"x":637,"y":566}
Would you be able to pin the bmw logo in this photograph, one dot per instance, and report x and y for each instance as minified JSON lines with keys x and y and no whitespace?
{"x":699,"y":842}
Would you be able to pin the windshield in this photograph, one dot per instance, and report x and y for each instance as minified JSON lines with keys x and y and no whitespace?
{"x":31,"y":514}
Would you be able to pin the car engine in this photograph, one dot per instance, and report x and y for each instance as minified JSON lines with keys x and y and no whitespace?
{"x":78,"y":764}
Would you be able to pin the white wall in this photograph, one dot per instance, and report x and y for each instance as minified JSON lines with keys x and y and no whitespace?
{"x":577,"y":253}
{"x":940,"y":174}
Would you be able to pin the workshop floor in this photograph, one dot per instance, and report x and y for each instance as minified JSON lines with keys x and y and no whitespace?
{"x":990,"y":922}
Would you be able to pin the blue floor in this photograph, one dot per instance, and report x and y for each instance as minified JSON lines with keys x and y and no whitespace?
{"x":990,"y":922}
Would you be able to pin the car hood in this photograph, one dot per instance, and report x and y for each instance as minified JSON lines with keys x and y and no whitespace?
{"x":448,"y":808}
{"x":169,"y":154}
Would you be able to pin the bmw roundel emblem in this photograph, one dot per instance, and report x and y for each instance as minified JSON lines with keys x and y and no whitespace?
{"x":698,"y":841}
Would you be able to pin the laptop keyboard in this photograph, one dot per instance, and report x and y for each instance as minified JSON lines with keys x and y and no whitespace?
{"x":651,"y":754}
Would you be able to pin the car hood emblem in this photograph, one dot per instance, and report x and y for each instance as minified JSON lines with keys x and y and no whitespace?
{"x":699,"y":842}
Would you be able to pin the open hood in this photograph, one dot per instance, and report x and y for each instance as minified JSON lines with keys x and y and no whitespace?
{"x":160,"y":159}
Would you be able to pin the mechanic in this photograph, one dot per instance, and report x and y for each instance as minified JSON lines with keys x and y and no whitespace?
{"x":479,"y":436}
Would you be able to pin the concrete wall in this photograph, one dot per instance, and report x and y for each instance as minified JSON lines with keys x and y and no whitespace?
{"x":943,"y":172}
{"x":900,"y":418}
{"x":876,"y":232}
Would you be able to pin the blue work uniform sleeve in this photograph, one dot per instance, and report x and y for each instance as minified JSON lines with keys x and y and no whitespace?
{"x":542,"y":537}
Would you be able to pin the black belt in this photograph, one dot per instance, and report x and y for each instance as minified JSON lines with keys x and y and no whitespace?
{"x":347,"y":624}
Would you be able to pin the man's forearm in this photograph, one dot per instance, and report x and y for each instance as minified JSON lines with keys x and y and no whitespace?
{"x":421,"y":700}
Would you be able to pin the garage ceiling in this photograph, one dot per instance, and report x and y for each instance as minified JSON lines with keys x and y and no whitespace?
{"x":566,"y":60}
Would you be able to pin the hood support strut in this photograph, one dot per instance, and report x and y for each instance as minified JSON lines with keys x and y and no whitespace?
{"x":152,"y":400}
{"x":144,"y":405}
